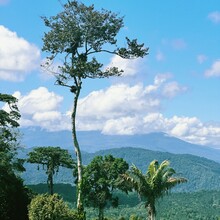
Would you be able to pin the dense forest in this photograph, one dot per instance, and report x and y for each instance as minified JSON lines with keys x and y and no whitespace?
{"x":189,"y":166}
{"x":181,"y":206}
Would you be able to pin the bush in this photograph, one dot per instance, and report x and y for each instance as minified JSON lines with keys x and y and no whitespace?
{"x":14,"y":196}
{"x":135,"y":217}
{"x":50,"y":207}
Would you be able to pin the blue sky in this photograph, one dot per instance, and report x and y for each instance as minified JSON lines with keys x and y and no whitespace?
{"x":175,"y":89}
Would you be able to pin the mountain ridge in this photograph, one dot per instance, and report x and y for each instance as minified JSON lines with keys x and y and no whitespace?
{"x":92,"y":141}
{"x":202,"y":173}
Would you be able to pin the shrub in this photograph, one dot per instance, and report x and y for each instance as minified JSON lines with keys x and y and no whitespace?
{"x":50,"y":207}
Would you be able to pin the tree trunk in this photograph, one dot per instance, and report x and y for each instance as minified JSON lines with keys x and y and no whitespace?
{"x":101,"y":213}
{"x":78,"y":153}
{"x":151,"y":211}
{"x":50,"y":183}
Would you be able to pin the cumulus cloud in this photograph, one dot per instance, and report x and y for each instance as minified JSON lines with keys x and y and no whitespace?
{"x":130,"y":66}
{"x":40,"y":107}
{"x":119,"y":106}
{"x":187,"y":128}
{"x":120,"y":109}
{"x":214,"y":17}
{"x":18,"y":56}
{"x":119,"y":100}
{"x":171,"y":89}
{"x":113,"y":109}
{"x":214,"y":71}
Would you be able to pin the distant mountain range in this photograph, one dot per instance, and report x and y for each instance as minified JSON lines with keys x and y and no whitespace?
{"x":92,"y":141}
{"x":202,"y":174}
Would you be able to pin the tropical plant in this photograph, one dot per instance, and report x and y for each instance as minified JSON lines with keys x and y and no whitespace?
{"x":50,"y":207}
{"x":78,"y":34}
{"x":100,"y":178}
{"x":157,"y":182}
{"x":52,"y":158}
{"x":11,"y":185}
{"x":9,"y":133}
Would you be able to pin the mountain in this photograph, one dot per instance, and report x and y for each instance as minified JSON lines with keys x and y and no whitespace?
{"x":202,"y":174}
{"x":92,"y":141}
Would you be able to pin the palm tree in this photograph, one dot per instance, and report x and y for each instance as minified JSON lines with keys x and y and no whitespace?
{"x":153,"y":185}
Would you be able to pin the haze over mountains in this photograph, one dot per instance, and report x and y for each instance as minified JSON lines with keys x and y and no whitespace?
{"x":92,"y":141}
{"x":202,"y":173}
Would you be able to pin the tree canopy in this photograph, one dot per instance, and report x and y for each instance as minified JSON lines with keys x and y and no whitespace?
{"x":77,"y":36}
{"x":11,"y":185}
{"x":100,"y":179}
{"x":157,"y":181}
{"x":52,"y":158}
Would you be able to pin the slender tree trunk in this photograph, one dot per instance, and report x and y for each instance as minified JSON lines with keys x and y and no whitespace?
{"x":50,"y":183}
{"x":101,"y":213}
{"x":151,"y":211}
{"x":78,"y":153}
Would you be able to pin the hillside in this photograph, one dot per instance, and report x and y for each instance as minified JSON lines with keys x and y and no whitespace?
{"x":185,"y":206}
{"x":92,"y":141}
{"x":202,"y":174}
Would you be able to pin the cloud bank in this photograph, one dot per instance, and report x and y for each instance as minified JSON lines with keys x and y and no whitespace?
{"x":119,"y":109}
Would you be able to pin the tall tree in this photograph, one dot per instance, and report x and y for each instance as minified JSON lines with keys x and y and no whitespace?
{"x":52,"y":158}
{"x":79,"y":35}
{"x":100,"y":178}
{"x":11,"y":185}
{"x":9,"y":133}
{"x":157,"y":182}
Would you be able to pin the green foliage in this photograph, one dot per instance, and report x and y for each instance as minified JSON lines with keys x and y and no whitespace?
{"x":193,"y":168}
{"x":100,"y":178}
{"x":9,"y":119}
{"x":80,"y":32}
{"x":8,"y":133}
{"x":135,"y":217}
{"x":66,"y":191}
{"x":14,"y":197}
{"x":153,"y":185}
{"x":52,"y":158}
{"x":179,"y":206}
{"x":78,"y":35}
{"x":50,"y":207}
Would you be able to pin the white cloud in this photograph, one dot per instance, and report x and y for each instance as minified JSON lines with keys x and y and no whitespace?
{"x":119,"y":109}
{"x":171,"y":89}
{"x":185,"y":128}
{"x":158,"y":81}
{"x":122,"y":108}
{"x":214,"y":70}
{"x":116,"y":101}
{"x":122,"y":126}
{"x":214,"y":16}
{"x":39,"y":100}
{"x":41,"y":108}
{"x":130,"y":66}
{"x":120,"y":104}
{"x":201,"y":58}
{"x":18,"y":56}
